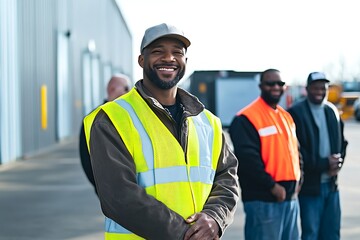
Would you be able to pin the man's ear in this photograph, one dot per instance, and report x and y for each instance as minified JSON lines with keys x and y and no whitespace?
{"x":141,"y":60}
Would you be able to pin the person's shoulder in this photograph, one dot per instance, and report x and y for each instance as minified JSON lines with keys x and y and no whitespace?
{"x":252,"y":106}
{"x":240,"y":120}
{"x":98,"y":115}
{"x":331,"y":106}
{"x":210,"y":113}
{"x":212,"y":117}
{"x":299,"y":104}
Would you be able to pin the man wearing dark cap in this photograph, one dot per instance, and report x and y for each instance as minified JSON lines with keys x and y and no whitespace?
{"x":320,"y":132}
{"x":162,"y":167}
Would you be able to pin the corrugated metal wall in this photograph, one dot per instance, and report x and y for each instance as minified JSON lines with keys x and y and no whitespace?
{"x":37,"y":22}
{"x":10,"y":147}
{"x":43,"y":27}
{"x":106,"y":28}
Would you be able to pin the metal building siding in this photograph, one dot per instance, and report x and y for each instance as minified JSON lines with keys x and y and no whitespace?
{"x":102,"y":22}
{"x":84,"y":27}
{"x":46,"y":19}
{"x":10,"y":147}
{"x":120,"y":39}
{"x":27,"y":74}
{"x":37,"y":57}
{"x":38,"y":25}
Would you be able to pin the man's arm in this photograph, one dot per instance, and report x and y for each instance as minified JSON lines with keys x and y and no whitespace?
{"x":305,"y":133}
{"x":344,"y":142}
{"x":301,"y":162}
{"x":85,"y":157}
{"x":222,"y":202}
{"x":122,"y":199}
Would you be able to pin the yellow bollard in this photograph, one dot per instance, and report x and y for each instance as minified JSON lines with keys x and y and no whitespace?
{"x":44,"y":107}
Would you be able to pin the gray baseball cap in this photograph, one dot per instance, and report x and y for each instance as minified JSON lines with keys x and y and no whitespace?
{"x":163,"y":30}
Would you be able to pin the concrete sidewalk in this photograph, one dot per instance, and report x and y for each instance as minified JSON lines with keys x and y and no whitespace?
{"x":49,"y":197}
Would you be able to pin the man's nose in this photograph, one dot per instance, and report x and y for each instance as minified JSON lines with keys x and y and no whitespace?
{"x":169,"y":57}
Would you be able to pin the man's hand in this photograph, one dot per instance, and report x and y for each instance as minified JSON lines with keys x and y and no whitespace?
{"x":279,"y":192}
{"x":203,"y":227}
{"x":335,"y":163}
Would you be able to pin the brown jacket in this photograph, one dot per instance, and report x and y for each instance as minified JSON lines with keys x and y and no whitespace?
{"x":124,"y":201}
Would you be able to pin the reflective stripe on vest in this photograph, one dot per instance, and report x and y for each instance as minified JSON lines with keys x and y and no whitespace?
{"x":279,"y":146}
{"x":145,"y":136}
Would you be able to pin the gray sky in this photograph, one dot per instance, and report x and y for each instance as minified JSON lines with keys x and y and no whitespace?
{"x":296,"y":37}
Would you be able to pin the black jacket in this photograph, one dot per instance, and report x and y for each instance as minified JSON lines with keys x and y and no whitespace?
{"x":255,"y":182}
{"x":308,"y":136}
{"x":85,"y":156}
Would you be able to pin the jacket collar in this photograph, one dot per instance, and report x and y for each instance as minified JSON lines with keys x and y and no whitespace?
{"x":191,"y":104}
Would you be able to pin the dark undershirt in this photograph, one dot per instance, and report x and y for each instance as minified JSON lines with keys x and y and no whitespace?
{"x":175,"y":111}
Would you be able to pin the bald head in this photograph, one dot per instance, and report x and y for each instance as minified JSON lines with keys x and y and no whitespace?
{"x":117,"y":86}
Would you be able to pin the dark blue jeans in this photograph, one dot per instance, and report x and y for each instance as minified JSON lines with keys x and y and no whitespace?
{"x":271,"y":220}
{"x":320,"y":215}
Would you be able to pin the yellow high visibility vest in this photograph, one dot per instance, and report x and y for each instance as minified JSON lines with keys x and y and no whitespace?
{"x":162,"y":166}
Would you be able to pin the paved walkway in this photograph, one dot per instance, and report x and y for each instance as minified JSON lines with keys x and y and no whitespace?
{"x":48,"y":197}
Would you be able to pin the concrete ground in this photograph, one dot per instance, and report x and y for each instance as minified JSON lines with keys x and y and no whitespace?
{"x":48,"y":196}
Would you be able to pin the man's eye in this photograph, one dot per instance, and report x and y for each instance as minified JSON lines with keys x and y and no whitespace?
{"x":156,"y":51}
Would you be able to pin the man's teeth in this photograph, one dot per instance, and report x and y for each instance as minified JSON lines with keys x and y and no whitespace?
{"x":166,"y":69}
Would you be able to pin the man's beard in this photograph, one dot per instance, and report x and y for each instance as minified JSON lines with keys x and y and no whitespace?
{"x":270,"y":99}
{"x":155,"y":79}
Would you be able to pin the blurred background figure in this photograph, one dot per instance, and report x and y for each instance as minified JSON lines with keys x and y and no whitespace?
{"x":264,"y":139}
{"x":320,"y":132}
{"x":118,"y":85}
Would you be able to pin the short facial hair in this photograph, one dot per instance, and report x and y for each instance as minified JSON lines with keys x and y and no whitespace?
{"x":269,"y":98}
{"x":155,"y":79}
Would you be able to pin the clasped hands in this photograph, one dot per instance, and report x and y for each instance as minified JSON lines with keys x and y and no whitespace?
{"x":202,"y":227}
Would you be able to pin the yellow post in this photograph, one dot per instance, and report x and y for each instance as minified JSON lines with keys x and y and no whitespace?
{"x":43,"y":107}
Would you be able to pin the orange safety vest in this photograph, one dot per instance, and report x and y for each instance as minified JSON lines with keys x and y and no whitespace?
{"x":279,"y":145}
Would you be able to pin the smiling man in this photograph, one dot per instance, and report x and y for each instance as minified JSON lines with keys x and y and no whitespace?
{"x":161,"y":163}
{"x":263,"y":135}
{"x":320,"y":131}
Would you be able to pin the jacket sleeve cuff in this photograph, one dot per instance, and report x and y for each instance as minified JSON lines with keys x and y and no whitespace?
{"x":220,"y":223}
